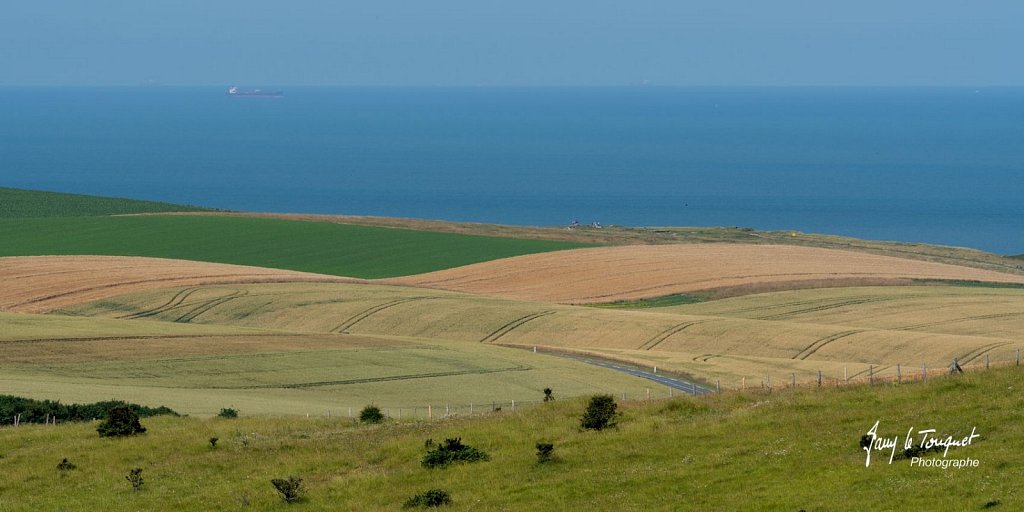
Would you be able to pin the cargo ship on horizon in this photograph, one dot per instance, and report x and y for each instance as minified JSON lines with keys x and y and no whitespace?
{"x":235,"y":91}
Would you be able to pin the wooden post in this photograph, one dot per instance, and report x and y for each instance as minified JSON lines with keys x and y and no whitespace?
{"x":743,"y":383}
{"x":924,"y":373}
{"x":349,"y":412}
{"x":648,"y":394}
{"x":513,"y":405}
{"x":769,"y":381}
{"x":623,"y":396}
{"x":986,"y":361}
{"x":871,"y":375}
{"x":899,"y":374}
{"x":718,"y":385}
{"x":430,"y":412}
{"x":819,"y":378}
{"x":793,"y":375}
{"x":655,"y":369}
{"x":446,"y":410}
{"x":471,"y":408}
{"x":670,"y":392}
{"x":1018,"y":357}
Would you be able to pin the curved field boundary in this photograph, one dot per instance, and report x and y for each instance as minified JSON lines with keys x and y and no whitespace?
{"x":363,"y":315}
{"x":509,"y":327}
{"x":817,"y":345}
{"x":431,"y":375}
{"x":39,"y":284}
{"x":668,"y":333}
{"x":607,"y":274}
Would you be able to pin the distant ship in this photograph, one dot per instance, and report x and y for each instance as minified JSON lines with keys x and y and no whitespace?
{"x":235,"y":91}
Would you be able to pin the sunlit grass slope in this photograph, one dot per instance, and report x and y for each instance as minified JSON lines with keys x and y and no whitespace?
{"x":737,"y":451}
{"x":324,"y":248}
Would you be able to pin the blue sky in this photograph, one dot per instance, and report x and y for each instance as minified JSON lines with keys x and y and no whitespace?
{"x":519,"y":43}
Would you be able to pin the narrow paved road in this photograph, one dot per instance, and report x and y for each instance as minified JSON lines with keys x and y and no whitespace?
{"x":682,"y":385}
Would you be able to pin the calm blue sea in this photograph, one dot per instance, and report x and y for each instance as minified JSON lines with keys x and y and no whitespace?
{"x":931,"y":165}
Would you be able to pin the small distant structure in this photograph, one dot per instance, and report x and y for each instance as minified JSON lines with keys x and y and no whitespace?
{"x":573,"y":225}
{"x":595,"y":224}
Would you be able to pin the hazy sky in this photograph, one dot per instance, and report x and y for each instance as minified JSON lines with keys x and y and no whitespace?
{"x":520,"y":42}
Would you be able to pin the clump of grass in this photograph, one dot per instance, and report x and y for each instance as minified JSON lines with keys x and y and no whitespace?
{"x":431,"y":498}
{"x":452,"y":451}
{"x":289,"y":488}
{"x":64,"y":465}
{"x":228,"y":412}
{"x":135,"y":478}
{"x":545,"y":452}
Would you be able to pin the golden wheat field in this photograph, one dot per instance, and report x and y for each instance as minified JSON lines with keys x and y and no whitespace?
{"x":840,"y":331}
{"x":607,"y":274}
{"x":35,"y":284}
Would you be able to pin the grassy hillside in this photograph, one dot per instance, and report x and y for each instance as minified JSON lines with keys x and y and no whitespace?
{"x":840,"y":331}
{"x":18,"y":203}
{"x":336,"y":249}
{"x":786,"y":450}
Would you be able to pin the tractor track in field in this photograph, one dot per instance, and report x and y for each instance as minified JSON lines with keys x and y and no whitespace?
{"x":171,"y":303}
{"x":809,"y":350}
{"x":208,"y":305}
{"x":958,"y":320}
{"x":668,"y":333}
{"x":980,"y":351}
{"x":367,"y":380}
{"x":367,"y":313}
{"x":823,"y":307}
{"x":514,"y":324}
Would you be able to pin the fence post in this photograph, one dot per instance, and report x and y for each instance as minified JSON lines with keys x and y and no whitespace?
{"x":349,"y":412}
{"x":1018,"y":357}
{"x":743,"y":384}
{"x":430,"y":412}
{"x":513,"y":405}
{"x":648,"y":394}
{"x":446,"y":411}
{"x":623,"y":396}
{"x":986,"y":361}
{"x":718,"y":385}
{"x":655,"y":369}
{"x":924,"y":373}
{"x":471,"y":408}
{"x":819,"y":378}
{"x":899,"y":374}
{"x":871,"y":375}
{"x":846,"y":375}
{"x":670,"y":392}
{"x":793,"y":375}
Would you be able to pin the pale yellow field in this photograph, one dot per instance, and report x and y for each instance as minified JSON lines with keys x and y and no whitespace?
{"x":607,"y":274}
{"x":839,"y":331}
{"x":36,"y":284}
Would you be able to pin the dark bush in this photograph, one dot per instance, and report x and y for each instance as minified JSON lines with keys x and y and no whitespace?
{"x":371,"y":414}
{"x":121,"y":421}
{"x":431,"y":498}
{"x":545,"y":452}
{"x":39,"y":411}
{"x":135,"y":478}
{"x":213,"y":442}
{"x":451,"y":451}
{"x":227,"y":412}
{"x":601,"y":413}
{"x":290,"y":488}
{"x":547,"y":395}
{"x":64,"y":465}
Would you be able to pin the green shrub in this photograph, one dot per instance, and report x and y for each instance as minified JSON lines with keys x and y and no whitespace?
{"x":548,"y":397}
{"x":227,"y":412}
{"x":431,"y":498}
{"x":290,"y":488}
{"x":64,"y":465}
{"x":451,"y":451}
{"x":371,"y":414}
{"x":213,"y":442}
{"x":121,"y":421}
{"x":601,"y":413}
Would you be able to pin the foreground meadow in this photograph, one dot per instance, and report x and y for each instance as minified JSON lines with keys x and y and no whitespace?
{"x":753,"y":450}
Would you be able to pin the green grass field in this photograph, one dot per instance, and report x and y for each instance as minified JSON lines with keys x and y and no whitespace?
{"x":325,"y":248}
{"x":786,"y":450}
{"x":18,"y":203}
